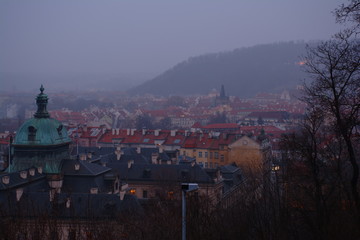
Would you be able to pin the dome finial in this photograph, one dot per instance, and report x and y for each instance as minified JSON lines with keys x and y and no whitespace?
{"x":41,"y":101}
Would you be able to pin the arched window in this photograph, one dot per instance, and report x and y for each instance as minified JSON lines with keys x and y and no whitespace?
{"x":32,"y":133}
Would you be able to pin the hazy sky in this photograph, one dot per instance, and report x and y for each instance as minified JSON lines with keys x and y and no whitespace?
{"x":125,"y":36}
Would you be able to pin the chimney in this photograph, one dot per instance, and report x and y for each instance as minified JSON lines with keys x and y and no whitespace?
{"x":154,"y":157}
{"x":138,"y":150}
{"x":117,"y":131}
{"x":112,"y":131}
{"x":40,"y":170}
{"x":89,"y":155}
{"x":32,"y":172}
{"x":83,"y":157}
{"x":68,"y":202}
{"x":6,"y":179}
{"x":128,"y":131}
{"x":224,"y":136}
{"x":218,"y":175}
{"x":94,"y":190}
{"x":156,"y":132}
{"x":19,"y":193}
{"x":77,"y":166}
{"x":130,"y":163}
{"x":122,"y":194}
{"x":23,"y":174}
{"x":52,"y":194}
{"x":173,"y":133}
{"x":143,"y":131}
{"x":118,"y":153}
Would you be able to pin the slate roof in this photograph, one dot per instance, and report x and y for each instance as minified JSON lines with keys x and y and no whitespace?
{"x":162,"y":173}
{"x":83,"y":206}
{"x":96,"y":151}
{"x":84,"y":184}
{"x":15,"y":180}
{"x":232,"y":176}
{"x":86,"y":168}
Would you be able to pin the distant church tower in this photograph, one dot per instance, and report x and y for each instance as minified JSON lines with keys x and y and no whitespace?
{"x":222,"y":98}
{"x":41,"y":141}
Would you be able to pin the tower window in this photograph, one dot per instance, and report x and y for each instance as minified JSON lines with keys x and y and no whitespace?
{"x":32,"y":133}
{"x":59,"y":130}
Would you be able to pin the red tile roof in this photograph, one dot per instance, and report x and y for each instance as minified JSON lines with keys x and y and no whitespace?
{"x":221,"y":126}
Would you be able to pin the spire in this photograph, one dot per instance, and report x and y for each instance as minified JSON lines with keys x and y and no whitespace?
{"x":41,"y":102}
{"x":222,"y":92}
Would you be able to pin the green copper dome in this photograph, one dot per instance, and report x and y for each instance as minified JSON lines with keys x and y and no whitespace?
{"x":41,"y":130}
{"x":40,"y":142}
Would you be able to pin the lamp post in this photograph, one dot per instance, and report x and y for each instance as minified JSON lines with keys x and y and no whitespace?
{"x":186,"y":187}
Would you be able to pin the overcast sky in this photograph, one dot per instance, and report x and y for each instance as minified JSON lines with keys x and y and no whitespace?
{"x":126,"y":36}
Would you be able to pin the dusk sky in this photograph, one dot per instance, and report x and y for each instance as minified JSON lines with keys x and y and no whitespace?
{"x":118,"y":36}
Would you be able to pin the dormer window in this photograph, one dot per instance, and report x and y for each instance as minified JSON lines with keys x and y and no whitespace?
{"x":32,"y":133}
{"x":59,"y":130}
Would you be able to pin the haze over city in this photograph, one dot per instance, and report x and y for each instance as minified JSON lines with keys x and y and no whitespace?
{"x":151,"y":120}
{"x":138,"y":40}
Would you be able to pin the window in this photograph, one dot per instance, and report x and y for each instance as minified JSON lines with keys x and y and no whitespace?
{"x":176,"y":141}
{"x":145,"y":194}
{"x":222,"y":158}
{"x":211,"y":165}
{"x":32,"y":133}
{"x":206,"y":154}
{"x":170,"y":194}
{"x":200,"y":154}
{"x":206,"y":165}
{"x":216,"y":155}
{"x":216,"y":165}
{"x":211,"y":155}
{"x":146,"y":140}
{"x":59,"y":129}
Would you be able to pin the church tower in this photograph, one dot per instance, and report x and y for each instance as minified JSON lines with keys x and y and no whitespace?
{"x":222,"y":99}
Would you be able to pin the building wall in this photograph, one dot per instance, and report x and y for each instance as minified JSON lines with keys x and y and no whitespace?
{"x":247,"y":154}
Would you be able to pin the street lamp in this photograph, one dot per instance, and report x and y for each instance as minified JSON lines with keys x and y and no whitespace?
{"x":186,"y":187}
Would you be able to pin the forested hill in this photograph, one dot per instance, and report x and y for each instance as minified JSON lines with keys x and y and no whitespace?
{"x":244,"y":72}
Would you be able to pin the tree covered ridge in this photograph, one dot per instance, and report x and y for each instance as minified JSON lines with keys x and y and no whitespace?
{"x":244,"y":72}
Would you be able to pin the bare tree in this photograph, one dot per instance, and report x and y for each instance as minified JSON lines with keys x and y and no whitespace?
{"x":349,"y":13}
{"x":334,"y":67}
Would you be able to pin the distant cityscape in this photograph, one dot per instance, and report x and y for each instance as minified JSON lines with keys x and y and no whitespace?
{"x":115,"y":153}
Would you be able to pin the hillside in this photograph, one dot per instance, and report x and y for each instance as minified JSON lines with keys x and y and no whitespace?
{"x":244,"y":72}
